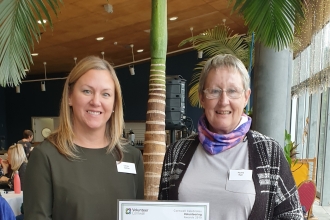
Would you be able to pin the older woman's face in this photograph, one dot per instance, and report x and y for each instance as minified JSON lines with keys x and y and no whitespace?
{"x":224,"y":113}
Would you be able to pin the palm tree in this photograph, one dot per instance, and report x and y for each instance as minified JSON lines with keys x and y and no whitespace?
{"x":218,"y":40}
{"x":18,"y":29}
{"x":272,"y":21}
{"x":155,"y":136}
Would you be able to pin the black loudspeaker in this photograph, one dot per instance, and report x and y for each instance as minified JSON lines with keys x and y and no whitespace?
{"x":175,"y":102}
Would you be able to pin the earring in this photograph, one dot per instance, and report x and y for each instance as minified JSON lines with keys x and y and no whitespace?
{"x":113,"y":111}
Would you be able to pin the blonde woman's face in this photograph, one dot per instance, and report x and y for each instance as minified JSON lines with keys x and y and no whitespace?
{"x":9,"y":156}
{"x":92,"y":100}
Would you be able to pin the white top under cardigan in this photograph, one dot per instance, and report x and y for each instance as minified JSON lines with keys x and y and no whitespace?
{"x":206,"y":180}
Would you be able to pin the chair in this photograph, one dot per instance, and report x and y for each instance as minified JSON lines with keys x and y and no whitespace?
{"x":304,"y":169}
{"x":309,"y":174}
{"x":307,"y":194}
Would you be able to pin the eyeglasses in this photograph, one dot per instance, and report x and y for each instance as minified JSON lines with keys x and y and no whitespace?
{"x":231,"y":93}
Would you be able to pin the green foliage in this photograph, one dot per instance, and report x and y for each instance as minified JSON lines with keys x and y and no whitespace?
{"x":18,"y":30}
{"x":272,"y":21}
{"x":248,"y":111}
{"x":290,"y":149}
{"x":218,"y":40}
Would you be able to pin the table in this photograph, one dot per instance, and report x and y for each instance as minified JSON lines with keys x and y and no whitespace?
{"x":14,"y":200}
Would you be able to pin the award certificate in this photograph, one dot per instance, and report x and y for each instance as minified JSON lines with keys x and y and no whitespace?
{"x":162,"y":210}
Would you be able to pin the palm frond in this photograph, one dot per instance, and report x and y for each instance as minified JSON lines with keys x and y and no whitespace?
{"x":18,"y":30}
{"x":193,"y":95}
{"x":272,"y":21}
{"x":218,"y":40}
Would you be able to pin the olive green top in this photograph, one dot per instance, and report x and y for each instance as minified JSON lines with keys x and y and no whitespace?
{"x":60,"y":189}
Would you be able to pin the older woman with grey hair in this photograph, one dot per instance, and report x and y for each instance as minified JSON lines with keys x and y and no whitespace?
{"x":242,"y":173}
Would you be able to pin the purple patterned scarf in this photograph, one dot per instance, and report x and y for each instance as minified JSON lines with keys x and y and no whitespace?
{"x":214,"y":143}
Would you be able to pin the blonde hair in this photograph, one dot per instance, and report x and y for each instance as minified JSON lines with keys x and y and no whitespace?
{"x":62,"y":138}
{"x":17,"y":156}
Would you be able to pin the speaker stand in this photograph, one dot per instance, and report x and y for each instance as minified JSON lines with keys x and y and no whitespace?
{"x":172,"y":136}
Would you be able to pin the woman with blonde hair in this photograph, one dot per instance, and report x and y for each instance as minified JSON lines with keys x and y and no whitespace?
{"x":83,"y":168}
{"x":16,"y":161}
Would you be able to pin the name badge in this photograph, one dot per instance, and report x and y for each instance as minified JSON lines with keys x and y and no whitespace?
{"x":240,"y":175}
{"x":125,"y":167}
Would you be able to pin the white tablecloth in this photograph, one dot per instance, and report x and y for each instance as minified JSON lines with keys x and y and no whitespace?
{"x":15,"y":200}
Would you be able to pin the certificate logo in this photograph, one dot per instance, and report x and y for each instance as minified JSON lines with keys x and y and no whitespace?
{"x":135,"y":211}
{"x":128,"y":211}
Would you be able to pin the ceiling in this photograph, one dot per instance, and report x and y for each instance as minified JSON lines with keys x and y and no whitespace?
{"x":80,"y":22}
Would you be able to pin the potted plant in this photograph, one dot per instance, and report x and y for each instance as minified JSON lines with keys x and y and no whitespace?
{"x":290,"y":149}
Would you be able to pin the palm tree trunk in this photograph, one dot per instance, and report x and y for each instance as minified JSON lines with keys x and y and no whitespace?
{"x":155,"y":136}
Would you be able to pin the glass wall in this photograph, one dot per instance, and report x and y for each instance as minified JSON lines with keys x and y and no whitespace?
{"x":313,"y":134}
{"x":310,"y":91}
{"x":302,"y":125}
{"x":293,"y":118}
{"x":322,"y":140}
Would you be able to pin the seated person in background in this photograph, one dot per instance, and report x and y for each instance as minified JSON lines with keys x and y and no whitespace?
{"x":16,"y":161}
{"x":26,"y":142}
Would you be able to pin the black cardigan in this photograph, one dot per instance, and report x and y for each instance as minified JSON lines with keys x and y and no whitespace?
{"x":276,"y":193}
